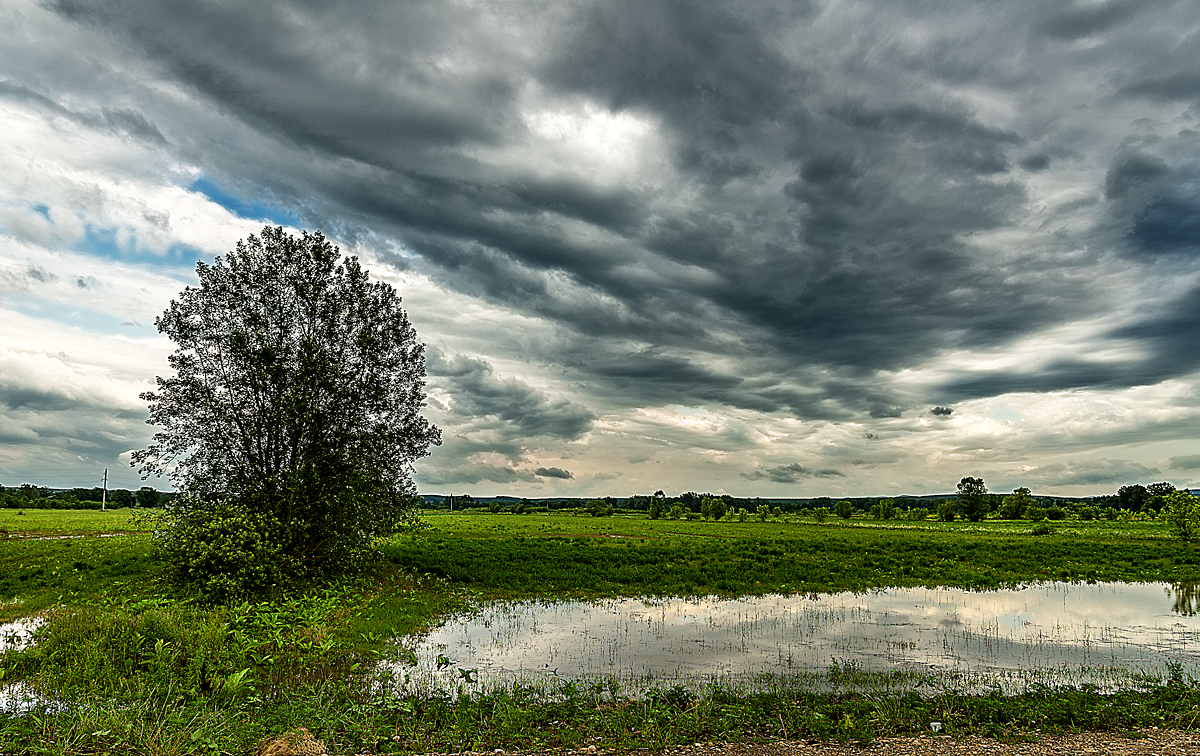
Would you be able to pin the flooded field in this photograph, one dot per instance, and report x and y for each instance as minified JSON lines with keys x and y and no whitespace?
{"x":1105,"y":634}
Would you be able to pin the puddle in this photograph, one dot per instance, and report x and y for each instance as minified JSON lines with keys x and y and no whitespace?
{"x":15,"y":699}
{"x":19,"y":633}
{"x":1104,"y":634}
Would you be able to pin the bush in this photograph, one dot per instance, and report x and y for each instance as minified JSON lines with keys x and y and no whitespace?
{"x":843,"y":509}
{"x":884,"y":510}
{"x":676,"y":512}
{"x":1089,"y":513}
{"x":1182,"y":512}
{"x":712,"y":507}
{"x":742,"y":514}
{"x":1056,"y":513}
{"x":1035,"y":514}
{"x":658,"y":507}
{"x":598,"y":508}
{"x":223,"y":549}
{"x":821,"y":513}
{"x":917,"y":514}
{"x":947,"y":510}
{"x":1041,"y":529}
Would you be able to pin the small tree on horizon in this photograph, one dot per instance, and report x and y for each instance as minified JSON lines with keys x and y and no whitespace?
{"x":973,"y":498}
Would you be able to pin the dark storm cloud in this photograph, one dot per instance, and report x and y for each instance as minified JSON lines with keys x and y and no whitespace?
{"x":791,"y":473}
{"x":479,"y":393}
{"x":812,"y":222}
{"x":553,"y":472}
{"x":1133,"y":171}
{"x":1084,"y":19}
{"x":1169,"y":223}
{"x":1167,"y":338}
{"x":118,"y":120}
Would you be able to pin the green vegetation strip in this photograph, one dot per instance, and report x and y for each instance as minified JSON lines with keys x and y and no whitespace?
{"x":349,"y":723}
{"x":641,"y":557}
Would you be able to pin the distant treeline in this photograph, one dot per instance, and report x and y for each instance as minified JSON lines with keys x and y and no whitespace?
{"x":28,"y":496}
{"x":1131,"y":498}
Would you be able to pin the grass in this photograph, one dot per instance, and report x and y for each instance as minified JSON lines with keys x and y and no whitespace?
{"x":512,"y":556}
{"x":62,"y":522}
{"x":145,"y":669}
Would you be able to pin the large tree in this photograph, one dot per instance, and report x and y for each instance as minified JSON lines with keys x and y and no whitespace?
{"x":297,"y":395}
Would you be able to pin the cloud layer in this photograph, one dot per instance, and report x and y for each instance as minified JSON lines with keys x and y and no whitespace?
{"x":660,"y":244}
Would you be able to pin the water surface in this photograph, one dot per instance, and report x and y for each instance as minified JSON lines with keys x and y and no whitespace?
{"x":1060,"y":632}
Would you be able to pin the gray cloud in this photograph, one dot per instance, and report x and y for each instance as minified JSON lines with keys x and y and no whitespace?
{"x":1086,"y":19}
{"x":553,"y":472}
{"x":1092,"y":472}
{"x":479,"y":394}
{"x":792,"y":473}
{"x":1186,"y":462}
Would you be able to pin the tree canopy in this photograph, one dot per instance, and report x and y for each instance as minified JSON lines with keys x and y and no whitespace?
{"x":973,"y":498}
{"x":297,"y":394}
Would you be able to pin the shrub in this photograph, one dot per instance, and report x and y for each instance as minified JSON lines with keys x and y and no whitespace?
{"x":1089,"y":513}
{"x":1182,"y":512}
{"x":712,"y":507}
{"x":821,"y":513}
{"x":223,"y":548}
{"x":947,"y":510}
{"x":658,"y":507}
{"x":763,"y":512}
{"x":1041,"y":529}
{"x":884,"y":510}
{"x":1056,"y":513}
{"x":597,"y":508}
{"x":1035,"y":514}
{"x":917,"y":514}
{"x":676,"y":511}
{"x":843,"y":509}
{"x":1013,"y":507}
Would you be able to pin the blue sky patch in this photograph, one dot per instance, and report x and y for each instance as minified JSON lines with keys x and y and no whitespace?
{"x":243,"y":208}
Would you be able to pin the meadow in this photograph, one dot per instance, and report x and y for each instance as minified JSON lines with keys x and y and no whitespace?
{"x":126,"y":663}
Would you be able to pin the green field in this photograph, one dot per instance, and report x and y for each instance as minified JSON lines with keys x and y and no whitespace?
{"x":36,"y":522}
{"x":144,"y":668}
{"x":539,"y":555}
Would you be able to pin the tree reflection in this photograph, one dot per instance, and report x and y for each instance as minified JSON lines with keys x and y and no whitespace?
{"x":1186,"y":599}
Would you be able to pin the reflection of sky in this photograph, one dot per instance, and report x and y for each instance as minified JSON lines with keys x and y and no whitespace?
{"x":19,"y":633}
{"x":1055,"y":626}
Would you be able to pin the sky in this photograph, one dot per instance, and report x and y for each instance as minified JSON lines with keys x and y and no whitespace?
{"x":779,"y":249}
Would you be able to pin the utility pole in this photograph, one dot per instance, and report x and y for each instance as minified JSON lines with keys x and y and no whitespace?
{"x":104,"y":492}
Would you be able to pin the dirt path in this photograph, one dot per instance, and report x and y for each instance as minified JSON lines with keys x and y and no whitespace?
{"x":1152,"y":742}
{"x":1146,"y":743}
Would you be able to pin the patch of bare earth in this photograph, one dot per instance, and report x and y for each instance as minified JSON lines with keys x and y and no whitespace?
{"x":1152,"y":742}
